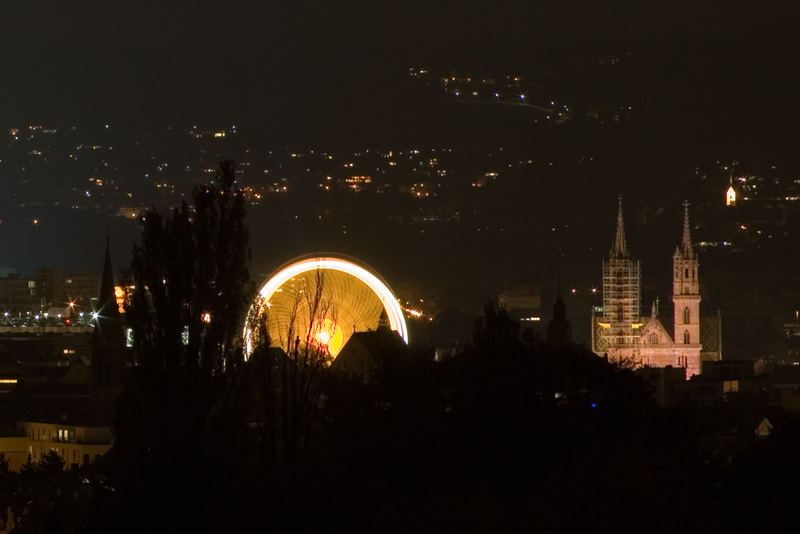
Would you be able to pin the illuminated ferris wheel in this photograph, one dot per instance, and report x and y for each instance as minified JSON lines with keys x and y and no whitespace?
{"x":322,"y":301}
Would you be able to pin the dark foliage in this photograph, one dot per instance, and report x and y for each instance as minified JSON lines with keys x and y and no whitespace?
{"x":191,"y":292}
{"x":510,"y":434}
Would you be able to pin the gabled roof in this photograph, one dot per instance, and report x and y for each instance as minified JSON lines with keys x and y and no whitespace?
{"x":366,"y":352}
{"x":654,"y":326}
{"x":710,"y":327}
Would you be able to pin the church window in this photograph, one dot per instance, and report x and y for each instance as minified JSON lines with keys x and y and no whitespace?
{"x":686,"y":337}
{"x":653,"y":339}
{"x":686,"y":273}
{"x":686,"y":315}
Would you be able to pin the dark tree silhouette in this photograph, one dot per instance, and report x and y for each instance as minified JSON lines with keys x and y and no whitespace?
{"x":187,"y":308}
{"x":51,"y":464}
{"x":285,"y":382}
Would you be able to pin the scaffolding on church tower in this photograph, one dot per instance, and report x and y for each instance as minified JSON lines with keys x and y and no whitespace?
{"x":621,"y":303}
{"x":621,"y":293}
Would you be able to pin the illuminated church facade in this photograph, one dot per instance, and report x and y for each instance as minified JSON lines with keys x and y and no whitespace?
{"x":621,"y":333}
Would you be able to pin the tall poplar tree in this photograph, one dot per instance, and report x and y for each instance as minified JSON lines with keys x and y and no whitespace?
{"x":191,"y":290}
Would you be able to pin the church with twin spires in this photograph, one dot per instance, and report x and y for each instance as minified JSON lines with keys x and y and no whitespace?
{"x":622,"y":334}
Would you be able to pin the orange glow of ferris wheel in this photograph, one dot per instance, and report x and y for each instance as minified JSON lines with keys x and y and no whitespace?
{"x":351,"y":299}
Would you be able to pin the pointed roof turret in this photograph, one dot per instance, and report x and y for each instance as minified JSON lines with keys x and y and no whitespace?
{"x":383,"y":320}
{"x":685,"y":249}
{"x":620,"y":247}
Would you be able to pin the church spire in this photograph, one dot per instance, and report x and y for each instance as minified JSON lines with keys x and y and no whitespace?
{"x":620,"y":247}
{"x":730,"y":194}
{"x":107,"y":302}
{"x":685,"y":248}
{"x":107,"y":349}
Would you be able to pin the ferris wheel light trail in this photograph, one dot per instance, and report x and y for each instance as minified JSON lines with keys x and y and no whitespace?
{"x":393,"y":309}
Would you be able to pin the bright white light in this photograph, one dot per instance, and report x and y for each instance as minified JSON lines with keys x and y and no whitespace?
{"x":393,"y":310}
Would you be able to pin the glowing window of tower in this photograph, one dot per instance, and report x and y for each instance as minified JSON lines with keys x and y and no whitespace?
{"x":730,"y":196}
{"x":686,"y":315}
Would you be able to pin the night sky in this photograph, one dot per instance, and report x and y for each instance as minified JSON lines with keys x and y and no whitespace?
{"x":77,"y":59}
{"x":475,"y":154}
{"x":313,"y":72}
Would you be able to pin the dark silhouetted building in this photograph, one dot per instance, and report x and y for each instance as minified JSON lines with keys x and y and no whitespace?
{"x":559,"y":331}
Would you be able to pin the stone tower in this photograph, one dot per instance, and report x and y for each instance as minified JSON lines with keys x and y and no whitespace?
{"x":620,"y":292}
{"x":686,"y":292}
{"x":559,"y":331}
